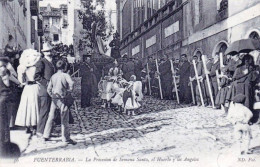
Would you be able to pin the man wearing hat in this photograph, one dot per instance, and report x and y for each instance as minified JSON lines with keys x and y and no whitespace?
{"x":88,"y":81}
{"x":44,"y":70}
{"x":128,"y":68}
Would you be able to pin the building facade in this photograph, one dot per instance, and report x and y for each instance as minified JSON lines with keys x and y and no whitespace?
{"x":19,"y":18}
{"x":175,"y":27}
{"x":55,"y":23}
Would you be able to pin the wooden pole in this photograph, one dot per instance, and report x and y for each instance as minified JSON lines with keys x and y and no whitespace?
{"x":217,"y":75}
{"x":198,"y":82}
{"x":149,"y":80}
{"x":174,"y":82}
{"x":208,"y":82}
{"x":159,"y":78}
{"x":192,"y":92}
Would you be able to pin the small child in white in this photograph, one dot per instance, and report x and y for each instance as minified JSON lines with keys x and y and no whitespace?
{"x":59,"y":87}
{"x":239,"y":115}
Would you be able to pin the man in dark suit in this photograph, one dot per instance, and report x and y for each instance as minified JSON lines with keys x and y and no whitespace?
{"x":44,"y":70}
{"x":88,"y":81}
{"x":128,"y":68}
{"x":166,"y":78}
{"x":184,"y":72}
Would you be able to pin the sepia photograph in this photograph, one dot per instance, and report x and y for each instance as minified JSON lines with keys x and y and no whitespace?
{"x":129,"y":83}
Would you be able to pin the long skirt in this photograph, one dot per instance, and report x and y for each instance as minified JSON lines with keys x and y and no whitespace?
{"x":4,"y":126}
{"x":28,"y":111}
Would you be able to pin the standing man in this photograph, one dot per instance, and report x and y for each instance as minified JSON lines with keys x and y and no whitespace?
{"x":138,"y":69}
{"x":215,"y":67}
{"x":115,"y":45}
{"x":199,"y":66}
{"x":166,"y":78}
{"x":207,"y":91}
{"x":128,"y":68}
{"x":88,"y":81}
{"x":44,"y":70}
{"x":184,"y":71}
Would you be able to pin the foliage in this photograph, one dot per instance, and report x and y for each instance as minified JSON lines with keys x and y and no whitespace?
{"x":92,"y":16}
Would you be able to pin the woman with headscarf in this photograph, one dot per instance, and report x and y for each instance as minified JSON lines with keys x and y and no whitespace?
{"x":243,"y":78}
{"x":28,"y":111}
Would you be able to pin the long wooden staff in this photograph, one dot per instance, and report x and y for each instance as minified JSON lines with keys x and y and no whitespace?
{"x":198,"y":82}
{"x":149,"y":80}
{"x":174,"y":82}
{"x":221,"y":61}
{"x":159,"y":78}
{"x":207,"y":78}
{"x":192,"y":92}
{"x":218,"y":82}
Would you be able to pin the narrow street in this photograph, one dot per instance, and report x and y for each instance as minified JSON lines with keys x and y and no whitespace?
{"x":197,"y":135}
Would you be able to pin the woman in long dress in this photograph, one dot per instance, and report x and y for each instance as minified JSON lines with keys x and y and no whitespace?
{"x":28,"y":111}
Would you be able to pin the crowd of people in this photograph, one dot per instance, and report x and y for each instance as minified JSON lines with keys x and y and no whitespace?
{"x":32,"y":93}
{"x":33,"y":85}
{"x":239,"y":75}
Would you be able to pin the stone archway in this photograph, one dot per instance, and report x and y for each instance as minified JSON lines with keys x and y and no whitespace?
{"x":220,"y":47}
{"x":198,"y":52}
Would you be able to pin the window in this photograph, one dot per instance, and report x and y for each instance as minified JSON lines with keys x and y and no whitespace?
{"x":196,"y":12}
{"x":65,"y":12}
{"x":139,"y":12}
{"x":55,"y":37}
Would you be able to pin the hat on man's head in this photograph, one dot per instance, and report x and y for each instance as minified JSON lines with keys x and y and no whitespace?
{"x":46,"y":47}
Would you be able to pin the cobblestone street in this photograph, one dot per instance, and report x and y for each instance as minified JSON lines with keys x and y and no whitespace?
{"x":195,"y":134}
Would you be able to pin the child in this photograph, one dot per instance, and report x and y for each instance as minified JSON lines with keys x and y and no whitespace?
{"x":239,"y":115}
{"x":59,"y":88}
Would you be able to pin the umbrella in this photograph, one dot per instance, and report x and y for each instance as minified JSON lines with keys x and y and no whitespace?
{"x":243,"y":46}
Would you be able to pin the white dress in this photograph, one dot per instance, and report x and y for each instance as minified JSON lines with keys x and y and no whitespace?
{"x":28,"y":111}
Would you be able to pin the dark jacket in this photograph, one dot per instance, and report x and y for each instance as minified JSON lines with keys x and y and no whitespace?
{"x":128,"y":70}
{"x":43,"y":74}
{"x":165,"y":71}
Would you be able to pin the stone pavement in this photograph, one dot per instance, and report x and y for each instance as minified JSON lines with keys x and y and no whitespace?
{"x":193,"y":135}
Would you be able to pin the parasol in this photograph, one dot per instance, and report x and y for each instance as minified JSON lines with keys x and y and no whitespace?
{"x":243,"y":46}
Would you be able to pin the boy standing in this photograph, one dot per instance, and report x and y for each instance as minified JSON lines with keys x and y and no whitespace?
{"x":59,"y":87}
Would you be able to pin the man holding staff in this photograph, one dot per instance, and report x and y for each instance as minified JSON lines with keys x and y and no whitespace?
{"x":184,"y":72}
{"x":157,"y":75}
{"x":215,"y":67}
{"x":200,"y":87}
{"x":166,"y":78}
{"x":174,"y":81}
{"x":207,"y":64}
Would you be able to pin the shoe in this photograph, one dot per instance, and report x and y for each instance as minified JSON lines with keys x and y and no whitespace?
{"x":70,"y":141}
